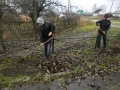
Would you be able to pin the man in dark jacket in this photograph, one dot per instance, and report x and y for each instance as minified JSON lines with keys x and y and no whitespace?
{"x":45,"y":30}
{"x":103,"y":26}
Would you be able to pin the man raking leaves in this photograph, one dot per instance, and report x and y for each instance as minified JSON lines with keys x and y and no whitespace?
{"x":103,"y":26}
{"x":46,"y":31}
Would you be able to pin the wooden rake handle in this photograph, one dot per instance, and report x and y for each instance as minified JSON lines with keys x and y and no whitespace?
{"x":38,"y":47}
{"x":102,"y":31}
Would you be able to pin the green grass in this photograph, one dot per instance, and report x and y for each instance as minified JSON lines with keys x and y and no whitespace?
{"x":115,"y":20}
{"x":7,"y":63}
{"x":9,"y":81}
{"x":5,"y":81}
{"x":113,"y":31}
{"x":85,"y":28}
{"x":117,"y":24}
{"x":88,"y":27}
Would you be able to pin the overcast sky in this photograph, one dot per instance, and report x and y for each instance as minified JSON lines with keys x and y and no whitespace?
{"x":88,"y":4}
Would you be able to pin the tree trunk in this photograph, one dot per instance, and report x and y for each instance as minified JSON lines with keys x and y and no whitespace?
{"x":36,"y":14}
{"x":2,"y":47}
{"x":35,"y":31}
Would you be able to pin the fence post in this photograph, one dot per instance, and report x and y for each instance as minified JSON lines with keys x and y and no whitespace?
{"x":53,"y":45}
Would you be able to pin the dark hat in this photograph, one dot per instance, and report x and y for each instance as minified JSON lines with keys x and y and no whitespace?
{"x":107,"y":15}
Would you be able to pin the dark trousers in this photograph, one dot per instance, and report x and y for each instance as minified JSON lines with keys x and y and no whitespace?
{"x":47,"y":49}
{"x":98,"y":40}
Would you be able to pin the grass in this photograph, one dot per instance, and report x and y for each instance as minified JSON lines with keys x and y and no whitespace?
{"x":7,"y":63}
{"x":88,"y":27}
{"x":113,"y":31}
{"x":10,"y":81}
{"x":115,"y":20}
{"x":117,"y":24}
{"x":5,"y":81}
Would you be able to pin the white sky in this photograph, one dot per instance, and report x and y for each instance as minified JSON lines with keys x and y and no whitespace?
{"x":88,"y":4}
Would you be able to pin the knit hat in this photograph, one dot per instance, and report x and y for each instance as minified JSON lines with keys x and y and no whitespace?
{"x":40,"y":20}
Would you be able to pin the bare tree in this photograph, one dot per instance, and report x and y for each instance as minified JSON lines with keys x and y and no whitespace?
{"x":33,"y":8}
{"x":118,"y":7}
{"x":114,"y":2}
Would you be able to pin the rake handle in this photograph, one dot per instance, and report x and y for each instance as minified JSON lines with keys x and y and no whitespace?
{"x":38,"y":46}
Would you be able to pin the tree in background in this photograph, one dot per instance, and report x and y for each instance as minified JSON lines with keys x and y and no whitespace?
{"x":33,"y":8}
{"x":115,"y":2}
{"x":29,"y":7}
{"x":118,"y":5}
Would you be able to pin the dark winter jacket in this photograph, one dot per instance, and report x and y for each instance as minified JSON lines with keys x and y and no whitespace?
{"x":104,"y":25}
{"x":44,"y":31}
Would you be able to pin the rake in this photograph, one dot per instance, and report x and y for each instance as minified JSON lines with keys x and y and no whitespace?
{"x":23,"y":56}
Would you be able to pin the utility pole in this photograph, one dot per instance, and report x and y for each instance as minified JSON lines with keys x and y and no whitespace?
{"x":111,"y":6}
{"x":69,"y":7}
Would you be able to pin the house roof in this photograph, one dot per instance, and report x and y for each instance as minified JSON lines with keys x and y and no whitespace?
{"x":97,"y":11}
